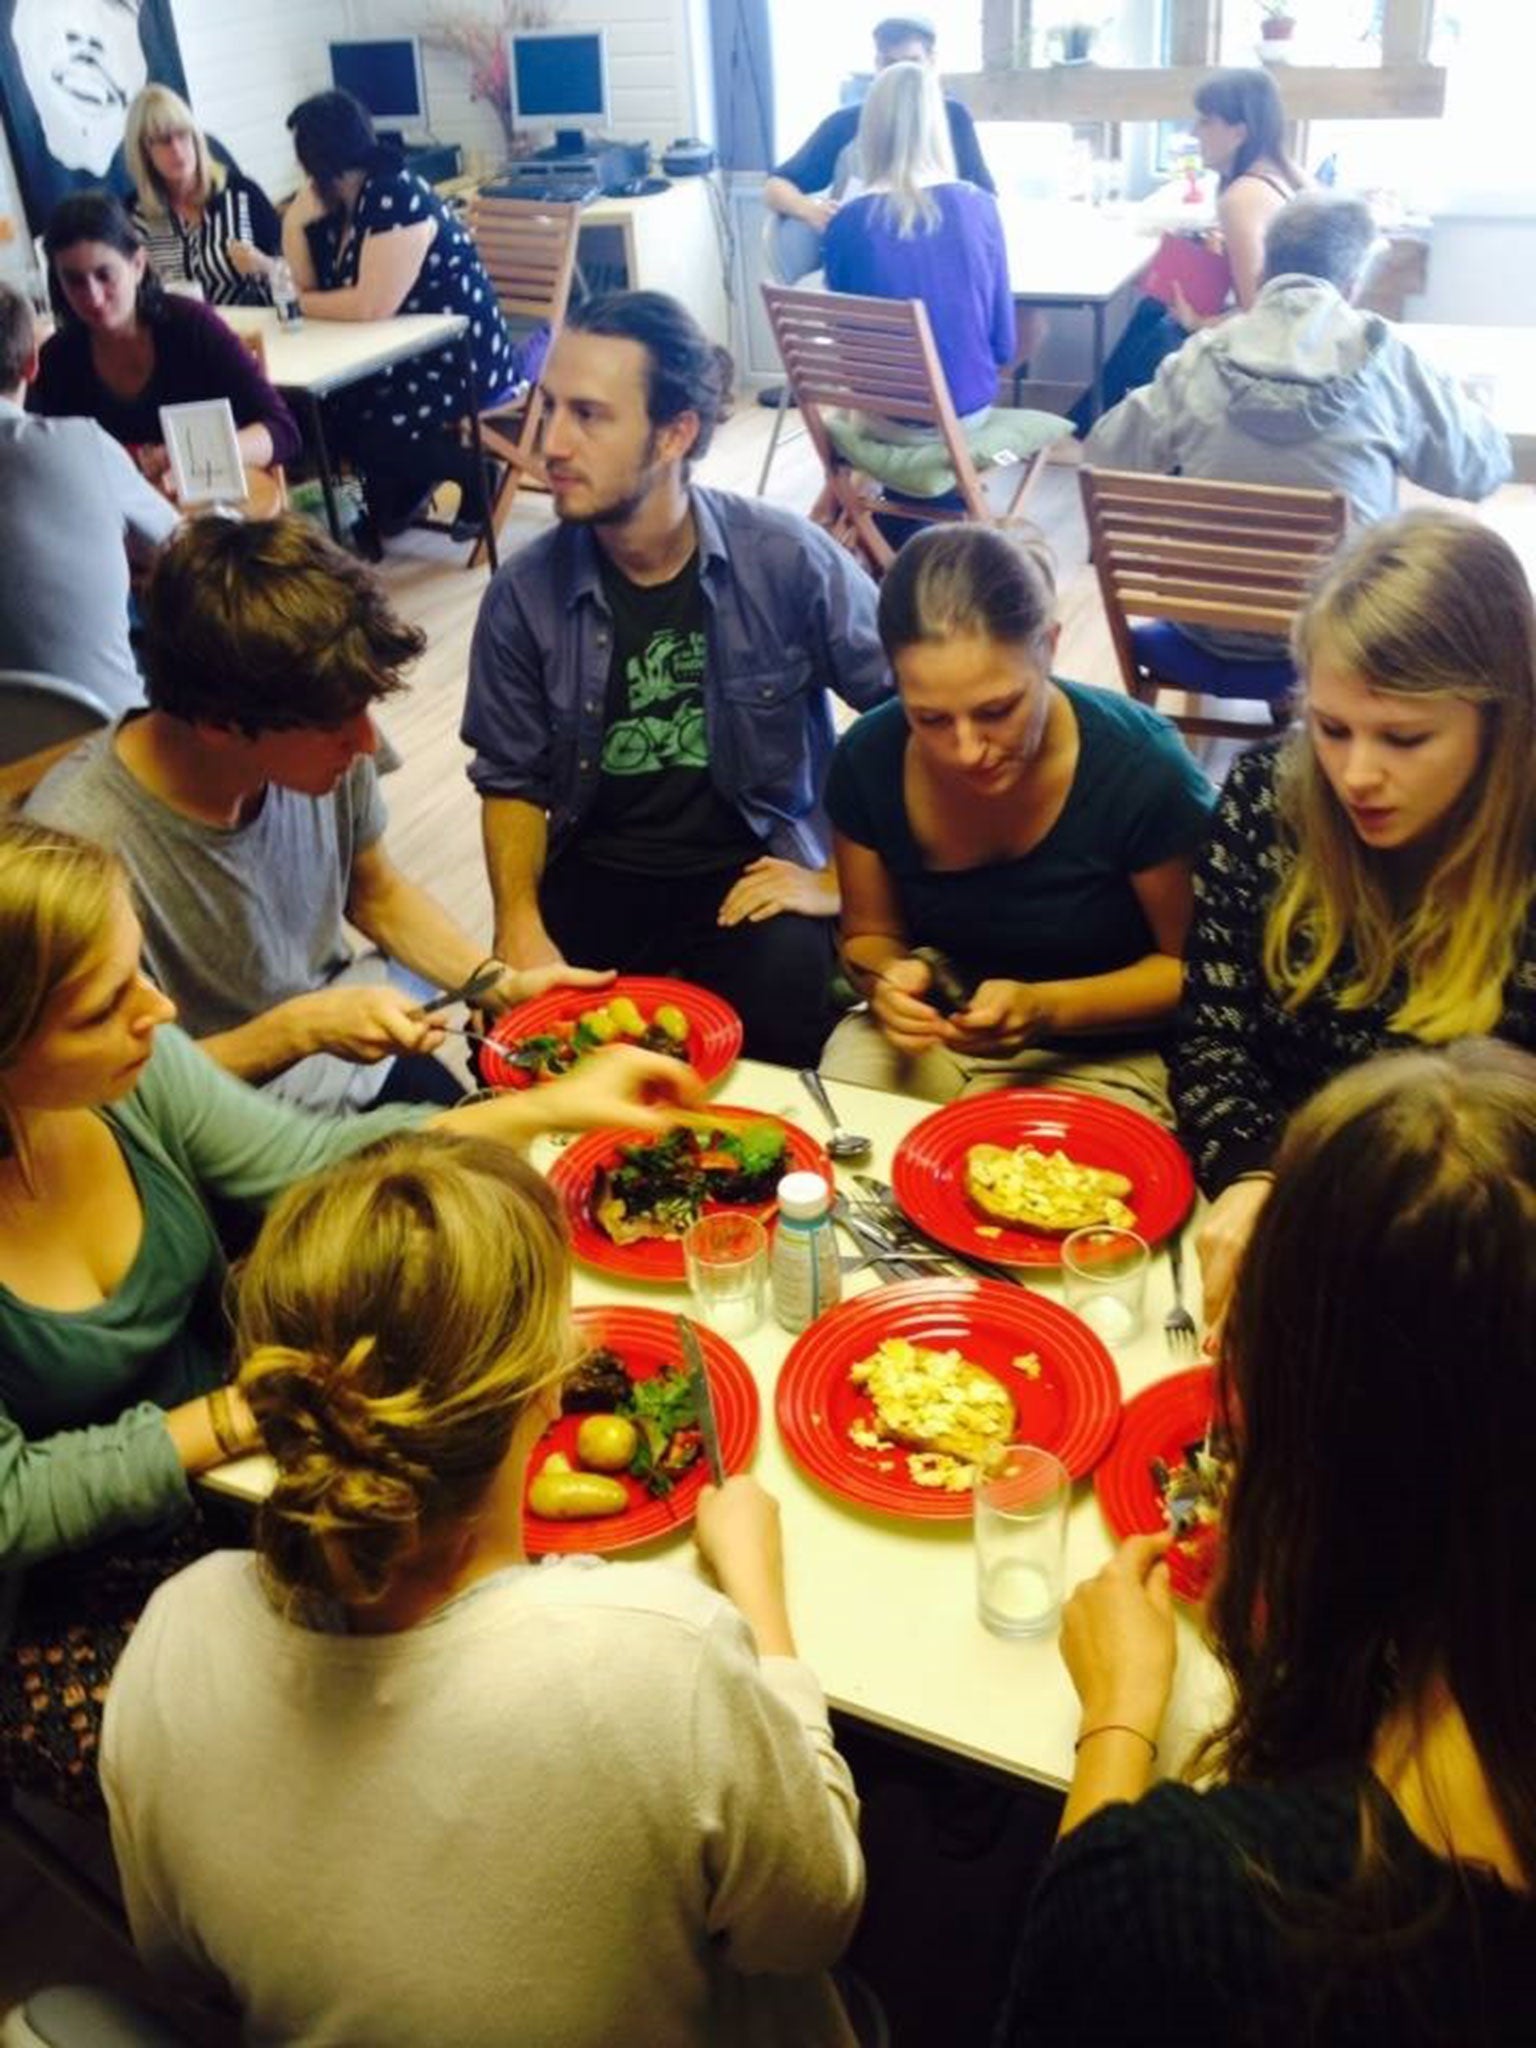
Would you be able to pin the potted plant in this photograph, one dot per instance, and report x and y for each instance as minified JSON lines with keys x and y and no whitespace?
{"x":1073,"y":41}
{"x":481,"y":37}
{"x":1277,"y":23}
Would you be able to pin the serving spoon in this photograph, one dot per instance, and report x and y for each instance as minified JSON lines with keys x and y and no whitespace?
{"x":842,"y":1144}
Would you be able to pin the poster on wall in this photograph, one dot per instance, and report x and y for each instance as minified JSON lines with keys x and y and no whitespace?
{"x":69,"y":70}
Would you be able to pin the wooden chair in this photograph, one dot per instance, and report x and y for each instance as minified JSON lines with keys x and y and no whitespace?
{"x":851,"y":360}
{"x":268,"y":487}
{"x":1237,"y":557}
{"x":42,"y":718}
{"x":528,"y":247}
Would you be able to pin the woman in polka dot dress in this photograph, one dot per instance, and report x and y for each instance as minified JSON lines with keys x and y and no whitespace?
{"x":365,"y":241}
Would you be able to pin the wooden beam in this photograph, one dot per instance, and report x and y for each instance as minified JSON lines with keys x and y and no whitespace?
{"x":1405,"y":31}
{"x":1004,"y":43}
{"x":1194,"y":30}
{"x":1090,"y":92}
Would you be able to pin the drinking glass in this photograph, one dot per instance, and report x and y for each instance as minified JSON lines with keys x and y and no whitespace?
{"x":1020,"y":1521}
{"x":727,"y":1261}
{"x":1104,"y":1279}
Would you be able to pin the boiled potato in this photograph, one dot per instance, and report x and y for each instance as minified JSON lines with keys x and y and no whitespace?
{"x":670,"y":1019}
{"x":601,"y":1024}
{"x":626,"y":1016}
{"x":605,"y":1443}
{"x":560,"y":1495}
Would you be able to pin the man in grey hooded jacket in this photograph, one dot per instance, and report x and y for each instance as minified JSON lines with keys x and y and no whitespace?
{"x":1305,"y":389}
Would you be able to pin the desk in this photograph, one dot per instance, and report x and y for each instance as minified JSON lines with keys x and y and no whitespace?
{"x":885,"y":1611}
{"x":662,"y":242}
{"x":1063,"y":255}
{"x":321,"y":357}
{"x":1494,"y":362}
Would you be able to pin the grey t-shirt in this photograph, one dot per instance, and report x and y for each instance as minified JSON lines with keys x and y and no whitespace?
{"x":236,"y":920}
{"x":69,"y":497}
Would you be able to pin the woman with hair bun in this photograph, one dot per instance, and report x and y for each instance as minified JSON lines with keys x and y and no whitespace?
{"x":581,"y":1803}
{"x":1358,"y":1867}
{"x":1037,"y":833}
{"x":1371,"y":878}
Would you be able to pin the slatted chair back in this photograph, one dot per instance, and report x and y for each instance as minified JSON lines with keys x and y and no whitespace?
{"x":875,"y":359}
{"x":528,"y":247}
{"x":1232,"y":557}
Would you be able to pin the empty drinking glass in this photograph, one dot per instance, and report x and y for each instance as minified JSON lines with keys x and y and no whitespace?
{"x":726,"y":1256}
{"x":1104,"y":1279}
{"x":1020,"y":1521}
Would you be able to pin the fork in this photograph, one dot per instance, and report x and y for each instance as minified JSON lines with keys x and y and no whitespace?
{"x":1179,"y":1325}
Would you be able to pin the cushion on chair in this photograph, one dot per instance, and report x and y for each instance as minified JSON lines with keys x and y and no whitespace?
{"x":81,"y":2016}
{"x":921,"y":469}
{"x":1171,"y":657}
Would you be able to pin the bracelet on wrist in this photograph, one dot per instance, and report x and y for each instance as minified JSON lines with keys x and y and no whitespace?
{"x":1115,"y":1728}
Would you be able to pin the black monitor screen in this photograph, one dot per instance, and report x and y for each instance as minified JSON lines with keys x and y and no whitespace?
{"x":384,"y":75}
{"x":559,"y":78}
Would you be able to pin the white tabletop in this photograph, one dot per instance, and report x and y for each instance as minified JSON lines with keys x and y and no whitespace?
{"x":1062,"y":250}
{"x":885,"y":1611}
{"x":326,"y":355}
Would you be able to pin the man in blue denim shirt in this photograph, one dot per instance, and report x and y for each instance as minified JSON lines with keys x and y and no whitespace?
{"x":648,"y":694}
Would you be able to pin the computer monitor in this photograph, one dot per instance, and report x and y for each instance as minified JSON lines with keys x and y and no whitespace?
{"x":560,"y":78}
{"x":385,"y":74}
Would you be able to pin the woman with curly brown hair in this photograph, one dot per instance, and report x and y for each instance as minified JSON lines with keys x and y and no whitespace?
{"x":585,"y":1802}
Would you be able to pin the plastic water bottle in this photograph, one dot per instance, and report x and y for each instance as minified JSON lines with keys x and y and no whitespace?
{"x":285,"y":294}
{"x":803,"y":1268}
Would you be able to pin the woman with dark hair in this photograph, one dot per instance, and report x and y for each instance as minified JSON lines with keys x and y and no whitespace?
{"x":1371,"y":878}
{"x":1038,"y":833}
{"x":477,"y":1802}
{"x":366,"y":240}
{"x":1361,"y":1869}
{"x":126,"y":347}
{"x":1240,"y":126}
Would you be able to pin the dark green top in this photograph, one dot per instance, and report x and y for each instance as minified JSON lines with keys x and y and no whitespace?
{"x":1067,"y":908}
{"x":84,"y":1451}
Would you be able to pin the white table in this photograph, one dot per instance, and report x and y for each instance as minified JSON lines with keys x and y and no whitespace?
{"x":885,"y":1611}
{"x":318,"y":358}
{"x":1061,"y":254}
{"x":1494,"y":363}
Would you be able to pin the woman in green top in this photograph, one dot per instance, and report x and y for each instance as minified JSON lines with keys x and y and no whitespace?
{"x":115,"y":1133}
{"x":1037,"y":833}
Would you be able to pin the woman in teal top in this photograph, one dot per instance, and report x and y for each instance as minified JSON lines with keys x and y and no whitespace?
{"x":1037,"y":833}
{"x":115,"y":1132}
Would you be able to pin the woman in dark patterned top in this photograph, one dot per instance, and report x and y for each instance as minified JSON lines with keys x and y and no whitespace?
{"x":368,"y":240}
{"x":202,"y":220}
{"x":1362,"y":1873}
{"x":1370,"y":880}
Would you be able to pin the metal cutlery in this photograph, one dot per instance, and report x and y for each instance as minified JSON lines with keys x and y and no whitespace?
{"x":909,"y":1238}
{"x":479,"y":984}
{"x":876,"y":1247}
{"x":842,"y":1144}
{"x":1179,"y":1325}
{"x":703,"y":1399}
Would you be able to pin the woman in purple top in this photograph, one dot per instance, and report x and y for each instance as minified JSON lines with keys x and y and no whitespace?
{"x":916,"y":232}
{"x":126,"y":348}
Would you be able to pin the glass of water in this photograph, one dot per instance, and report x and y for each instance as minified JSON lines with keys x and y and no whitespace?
{"x":1104,"y":1280}
{"x":727,"y":1260}
{"x":1020,"y":1521}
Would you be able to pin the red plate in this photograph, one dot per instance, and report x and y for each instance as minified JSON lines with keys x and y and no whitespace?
{"x":655,"y":1258}
{"x":1070,"y":1409}
{"x":1158,"y":1423}
{"x":714,"y":1029}
{"x":928,"y":1171}
{"x":646,"y":1340}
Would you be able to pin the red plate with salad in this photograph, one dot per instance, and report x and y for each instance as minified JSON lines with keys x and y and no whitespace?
{"x":1170,"y":1453}
{"x":1056,"y":1378}
{"x":930,"y":1168}
{"x":644,"y":1344}
{"x":663,"y":1183}
{"x":547,"y":1034}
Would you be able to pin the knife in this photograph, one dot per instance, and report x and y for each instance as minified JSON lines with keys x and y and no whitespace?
{"x":703,"y":1399}
{"x":899,"y":1223}
{"x":479,"y":984}
{"x":877,"y":1248}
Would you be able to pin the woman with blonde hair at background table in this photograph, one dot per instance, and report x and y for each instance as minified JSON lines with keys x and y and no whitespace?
{"x":117,"y":1137}
{"x":474,"y":1800}
{"x":1361,"y":1871}
{"x":1371,"y":878}
{"x":1038,"y":833}
{"x":199,"y":217}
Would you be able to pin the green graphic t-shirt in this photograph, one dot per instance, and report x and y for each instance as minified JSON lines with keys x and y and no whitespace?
{"x":656,"y":811}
